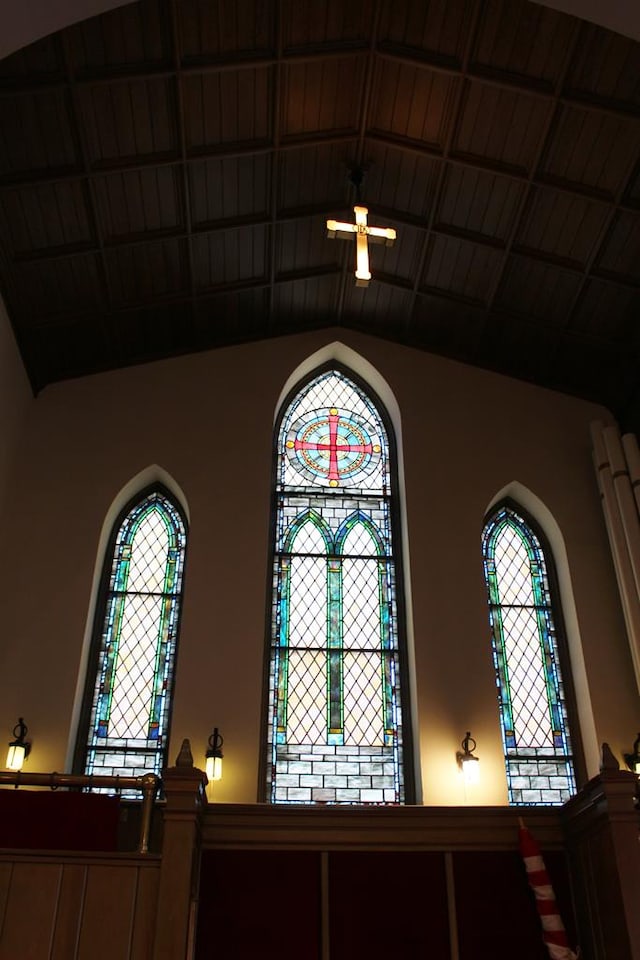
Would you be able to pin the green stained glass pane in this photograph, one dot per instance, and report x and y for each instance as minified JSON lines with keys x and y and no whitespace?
{"x":335,"y":706}
{"x":531,"y":700}
{"x":131,"y":693}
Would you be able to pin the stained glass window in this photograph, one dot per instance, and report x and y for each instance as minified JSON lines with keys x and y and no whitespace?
{"x":335,"y":731}
{"x":531,"y":694}
{"x":137,"y":629}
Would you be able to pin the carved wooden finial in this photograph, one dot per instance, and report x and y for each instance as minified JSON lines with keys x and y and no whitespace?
{"x":609,"y":761}
{"x":185,"y":757}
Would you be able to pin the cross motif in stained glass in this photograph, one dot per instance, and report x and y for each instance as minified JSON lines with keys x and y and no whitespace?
{"x":335,"y":713}
{"x":331,"y":446}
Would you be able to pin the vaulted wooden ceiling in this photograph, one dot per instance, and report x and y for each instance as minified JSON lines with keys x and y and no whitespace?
{"x":166,"y":171}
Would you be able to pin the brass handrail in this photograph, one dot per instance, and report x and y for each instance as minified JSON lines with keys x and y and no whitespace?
{"x":147,"y":784}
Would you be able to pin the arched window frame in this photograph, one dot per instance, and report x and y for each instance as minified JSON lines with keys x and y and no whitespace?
{"x":110,"y":567}
{"x":561,"y":702}
{"x":334,"y":542}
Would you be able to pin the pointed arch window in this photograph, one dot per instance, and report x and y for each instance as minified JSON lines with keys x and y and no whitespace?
{"x":334,"y":731}
{"x":524,"y":617}
{"x":130,"y":682}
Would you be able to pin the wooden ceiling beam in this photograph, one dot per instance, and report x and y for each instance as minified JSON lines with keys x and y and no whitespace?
{"x":472,"y":32}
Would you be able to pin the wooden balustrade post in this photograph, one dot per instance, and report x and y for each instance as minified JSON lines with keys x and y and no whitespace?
{"x":601,"y":826}
{"x":185,"y":797}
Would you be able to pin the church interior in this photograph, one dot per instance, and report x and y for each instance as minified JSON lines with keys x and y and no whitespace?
{"x":337,"y":416}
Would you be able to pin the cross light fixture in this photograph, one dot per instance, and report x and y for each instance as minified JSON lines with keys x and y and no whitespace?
{"x":363,"y":232}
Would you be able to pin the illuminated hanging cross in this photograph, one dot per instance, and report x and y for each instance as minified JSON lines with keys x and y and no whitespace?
{"x":363,"y":233}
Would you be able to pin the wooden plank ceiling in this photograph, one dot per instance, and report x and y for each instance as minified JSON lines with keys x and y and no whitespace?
{"x":166,"y":170}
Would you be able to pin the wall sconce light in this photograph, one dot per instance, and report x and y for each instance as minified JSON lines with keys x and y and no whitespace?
{"x":633,"y":759}
{"x":469,"y":765}
{"x":19,"y":749}
{"x":214,"y":755}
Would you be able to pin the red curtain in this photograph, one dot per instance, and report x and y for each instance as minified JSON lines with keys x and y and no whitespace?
{"x":48,"y":820}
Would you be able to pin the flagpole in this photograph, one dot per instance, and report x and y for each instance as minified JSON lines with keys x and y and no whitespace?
{"x":553,"y":931}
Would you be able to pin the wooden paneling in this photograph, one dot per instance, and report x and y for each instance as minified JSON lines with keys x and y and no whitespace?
{"x":229,"y":256}
{"x":501,"y":125}
{"x":54,"y":288}
{"x":548,"y":291}
{"x":307,"y":176}
{"x":401,"y":181}
{"x":439,"y":28}
{"x":301,"y":246}
{"x":38,"y":885}
{"x":593,"y":149}
{"x":138,"y":202}
{"x":228,"y":188}
{"x":606,"y":65}
{"x":621,"y":252}
{"x":316,"y":298}
{"x":522,"y":39}
{"x":220,"y":31}
{"x":138,"y":34}
{"x":321,"y":95}
{"x":35,"y":132}
{"x":214,"y":107}
{"x":377,"y":308}
{"x":76,"y":908}
{"x":319,"y":22}
{"x":128,"y":119}
{"x":608,"y":312}
{"x":478,"y":202}
{"x":114,"y":890}
{"x":147,"y":270}
{"x":413,"y":103}
{"x":501,"y":137}
{"x":563,"y":225}
{"x":47,"y":217}
{"x":461,"y":268}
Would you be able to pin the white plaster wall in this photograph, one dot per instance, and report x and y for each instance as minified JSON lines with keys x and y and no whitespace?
{"x":206,"y":420}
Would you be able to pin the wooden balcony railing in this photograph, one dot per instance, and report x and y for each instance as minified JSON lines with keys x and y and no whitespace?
{"x":147,"y":785}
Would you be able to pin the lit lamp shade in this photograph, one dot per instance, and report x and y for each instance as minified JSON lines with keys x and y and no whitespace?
{"x":469,"y":764}
{"x":213,"y":768}
{"x":18,"y":748}
{"x":15,"y":756}
{"x":471,"y":770}
{"x":213,"y":757}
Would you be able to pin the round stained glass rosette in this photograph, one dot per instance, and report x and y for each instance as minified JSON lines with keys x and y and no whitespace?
{"x":332,"y":447}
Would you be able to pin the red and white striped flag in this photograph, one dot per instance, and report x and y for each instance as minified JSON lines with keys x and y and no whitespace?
{"x":553,"y":932}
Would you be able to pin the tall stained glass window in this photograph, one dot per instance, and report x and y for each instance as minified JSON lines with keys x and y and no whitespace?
{"x":531,"y":693}
{"x":129,"y":689}
{"x":335,"y":731}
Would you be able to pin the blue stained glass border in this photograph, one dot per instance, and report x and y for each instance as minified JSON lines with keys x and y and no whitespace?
{"x":535,"y":775}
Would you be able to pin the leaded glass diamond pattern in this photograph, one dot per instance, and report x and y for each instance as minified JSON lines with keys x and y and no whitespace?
{"x":334,"y":657}
{"x":531,"y":720}
{"x":130,"y":707}
{"x":531,"y":693}
{"x":308,"y":602}
{"x":135,"y":667}
{"x":307,"y":702}
{"x":363,"y":686}
{"x":361,"y":604}
{"x":149,"y":555}
{"x":513,"y":568}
